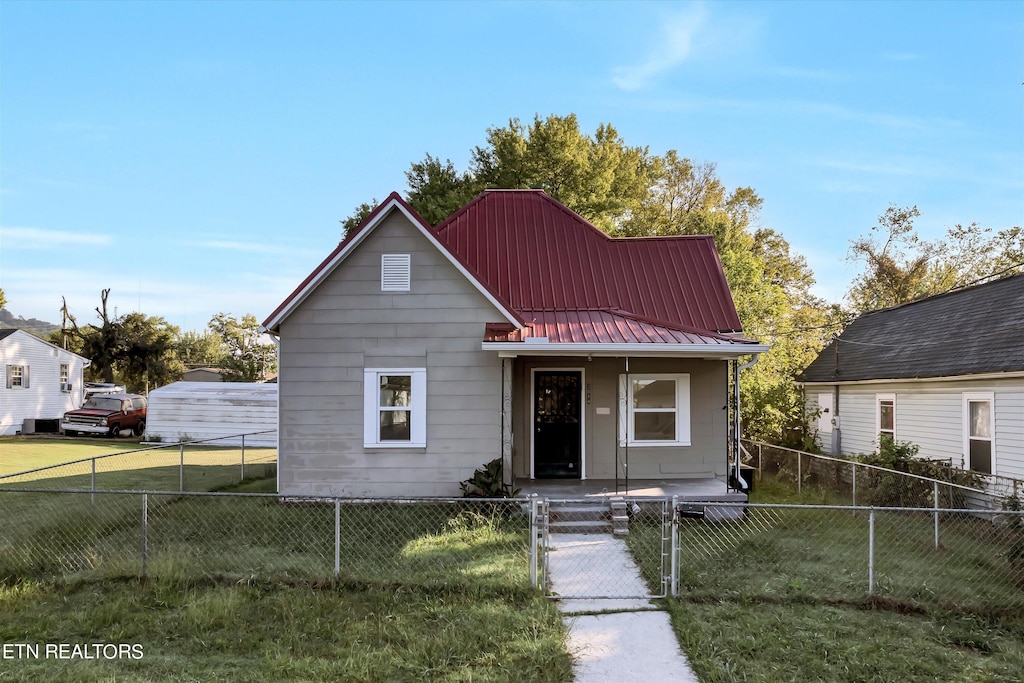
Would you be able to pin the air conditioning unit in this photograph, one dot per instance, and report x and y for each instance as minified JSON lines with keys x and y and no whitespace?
{"x":66,"y":388}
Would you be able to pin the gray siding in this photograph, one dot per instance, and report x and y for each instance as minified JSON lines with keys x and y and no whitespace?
{"x":705,"y":457}
{"x":347,"y":325}
{"x":930,"y":414}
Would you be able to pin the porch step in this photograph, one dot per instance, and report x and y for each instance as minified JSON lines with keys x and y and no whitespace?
{"x":600,"y":517}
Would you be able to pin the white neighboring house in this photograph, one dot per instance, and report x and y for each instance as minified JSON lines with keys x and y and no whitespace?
{"x":38,"y":381}
{"x":945,"y":373}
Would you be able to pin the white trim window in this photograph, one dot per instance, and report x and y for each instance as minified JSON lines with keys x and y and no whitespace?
{"x":65,"y":372}
{"x":17,"y":377}
{"x":657,"y":409}
{"x":395,"y":408}
{"x":979,"y":432}
{"x":395,"y":273}
{"x":885,"y":418}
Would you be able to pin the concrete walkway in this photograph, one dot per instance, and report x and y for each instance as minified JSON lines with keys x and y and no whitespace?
{"x":637,"y":641}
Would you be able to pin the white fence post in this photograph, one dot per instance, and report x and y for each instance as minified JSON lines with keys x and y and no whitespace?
{"x":243,"y":457}
{"x":92,"y":484}
{"x":936,"y":501}
{"x":181,"y":467}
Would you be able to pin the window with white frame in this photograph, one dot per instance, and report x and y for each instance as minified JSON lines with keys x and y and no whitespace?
{"x":395,"y":407}
{"x":64,"y":374}
{"x":979,"y":432}
{"x":885,"y":418}
{"x":395,"y":272}
{"x":657,"y":409}
{"x":17,"y":377}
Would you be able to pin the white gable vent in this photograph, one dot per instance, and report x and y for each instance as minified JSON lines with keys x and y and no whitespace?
{"x":395,"y":272}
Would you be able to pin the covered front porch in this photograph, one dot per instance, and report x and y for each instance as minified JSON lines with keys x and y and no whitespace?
{"x":713,"y":489}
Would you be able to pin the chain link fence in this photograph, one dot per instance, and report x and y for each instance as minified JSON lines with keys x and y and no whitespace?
{"x":100,"y":534}
{"x":967,"y":560}
{"x":201,"y":465}
{"x":844,"y":481}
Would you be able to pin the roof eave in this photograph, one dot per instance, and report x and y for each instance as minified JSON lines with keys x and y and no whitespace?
{"x":714,"y":351}
{"x":1009,"y":374}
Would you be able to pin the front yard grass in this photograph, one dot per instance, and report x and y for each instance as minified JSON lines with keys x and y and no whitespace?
{"x":782,"y":595}
{"x":243,"y":589}
{"x":146,"y":468}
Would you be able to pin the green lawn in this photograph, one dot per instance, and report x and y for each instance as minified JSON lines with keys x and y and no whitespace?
{"x":136,"y":467}
{"x":781,"y":595}
{"x":243,"y":589}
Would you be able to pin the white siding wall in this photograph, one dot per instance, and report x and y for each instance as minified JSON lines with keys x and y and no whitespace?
{"x":189,"y":411}
{"x":930,"y":414}
{"x":347,"y":325}
{"x":43,"y":399}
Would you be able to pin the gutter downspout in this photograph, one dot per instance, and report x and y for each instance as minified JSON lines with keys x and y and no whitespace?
{"x":737,"y":425}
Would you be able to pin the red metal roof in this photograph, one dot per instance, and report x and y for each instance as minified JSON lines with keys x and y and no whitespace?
{"x":560,"y":277}
{"x":538,"y":255}
{"x":600,"y":327}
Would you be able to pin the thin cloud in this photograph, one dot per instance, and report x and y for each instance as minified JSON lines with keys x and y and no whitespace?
{"x":228,"y":245}
{"x":40,"y":238}
{"x":251,"y":247}
{"x":673,"y":47}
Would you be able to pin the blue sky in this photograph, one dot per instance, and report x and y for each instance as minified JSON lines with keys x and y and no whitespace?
{"x":197,"y":157}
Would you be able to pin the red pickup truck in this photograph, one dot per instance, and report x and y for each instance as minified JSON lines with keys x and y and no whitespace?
{"x":108,"y":414}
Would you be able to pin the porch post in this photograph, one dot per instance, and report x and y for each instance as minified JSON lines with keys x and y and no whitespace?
{"x":508,"y":476}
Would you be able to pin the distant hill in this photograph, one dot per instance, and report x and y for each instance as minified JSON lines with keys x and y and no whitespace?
{"x":39,"y":328}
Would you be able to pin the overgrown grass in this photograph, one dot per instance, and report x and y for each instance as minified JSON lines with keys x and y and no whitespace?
{"x":767,"y":642}
{"x":349,"y":631}
{"x":782,"y":594}
{"x":243,"y":589}
{"x":154,"y":469}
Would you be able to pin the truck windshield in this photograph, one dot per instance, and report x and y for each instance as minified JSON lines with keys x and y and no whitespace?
{"x":103,"y":403}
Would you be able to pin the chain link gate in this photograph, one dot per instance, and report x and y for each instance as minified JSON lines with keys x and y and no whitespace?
{"x":611,"y":548}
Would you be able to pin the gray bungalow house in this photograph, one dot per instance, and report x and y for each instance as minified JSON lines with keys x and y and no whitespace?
{"x":945,"y":373}
{"x":515,"y":329}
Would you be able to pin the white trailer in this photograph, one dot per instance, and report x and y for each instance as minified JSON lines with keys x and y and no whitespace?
{"x":190,"y":411}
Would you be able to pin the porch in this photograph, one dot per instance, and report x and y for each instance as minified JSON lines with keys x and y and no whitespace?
{"x":714,"y":489}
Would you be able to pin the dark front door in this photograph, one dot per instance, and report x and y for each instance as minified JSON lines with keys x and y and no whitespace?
{"x":556,"y":424}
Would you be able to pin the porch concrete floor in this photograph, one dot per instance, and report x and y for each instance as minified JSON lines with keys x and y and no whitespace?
{"x":687,"y":489}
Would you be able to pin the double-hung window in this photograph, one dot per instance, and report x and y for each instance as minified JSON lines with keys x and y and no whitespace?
{"x":65,"y":386}
{"x":885,"y":415}
{"x":17,"y":377}
{"x":979,"y":431}
{"x":657,"y":409}
{"x":395,"y":407}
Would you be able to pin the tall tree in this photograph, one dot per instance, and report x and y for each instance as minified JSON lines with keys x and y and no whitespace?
{"x":135,"y":350}
{"x":200,"y":348}
{"x":899,"y":266}
{"x":437,"y":190}
{"x":358,"y":216}
{"x":147,"y":354}
{"x":247,"y":358}
{"x":3,"y":298}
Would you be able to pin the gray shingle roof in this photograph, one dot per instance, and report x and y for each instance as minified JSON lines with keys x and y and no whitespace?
{"x":966,"y":332}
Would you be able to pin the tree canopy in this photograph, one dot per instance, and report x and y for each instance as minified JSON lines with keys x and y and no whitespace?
{"x":899,"y":266}
{"x":136,"y":350}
